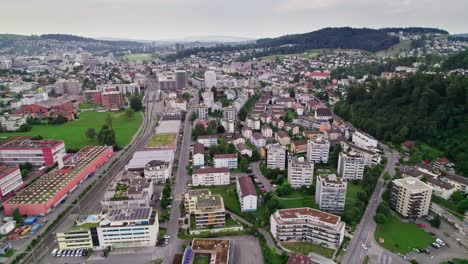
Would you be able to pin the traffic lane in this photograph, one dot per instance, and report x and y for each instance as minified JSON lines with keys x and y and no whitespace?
{"x":258,"y":174}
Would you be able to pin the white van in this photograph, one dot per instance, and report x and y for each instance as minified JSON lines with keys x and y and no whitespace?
{"x":54,"y":252}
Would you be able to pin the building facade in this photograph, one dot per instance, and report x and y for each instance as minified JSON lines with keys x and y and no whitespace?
{"x":246,"y":193}
{"x":300,"y":172}
{"x":330,"y":193}
{"x":351,"y":165}
{"x":18,"y":149}
{"x":276,"y":157}
{"x":410,"y":197}
{"x":210,"y":176}
{"x":318,"y":150}
{"x":225,"y":161}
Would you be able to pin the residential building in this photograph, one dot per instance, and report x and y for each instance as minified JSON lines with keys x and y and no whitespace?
{"x":208,"y":140}
{"x":258,"y":140}
{"x":410,"y":197}
{"x":210,"y":212}
{"x":12,"y":122}
{"x":225,"y":161}
{"x":246,"y":193}
{"x":351,"y":165}
{"x":460,"y":182}
{"x":218,"y":251}
{"x":229,"y":113}
{"x":21,"y":149}
{"x":246,"y":132}
{"x":158,"y":170}
{"x":191,"y":198}
{"x":370,"y":156}
{"x":167,"y":81}
{"x":318,"y":150}
{"x":299,"y":146}
{"x":283,"y":138}
{"x":202,"y":111}
{"x":208,"y":98}
{"x":210,"y":79}
{"x":276,"y":157}
{"x":323,"y":114}
{"x":198,"y":154}
{"x":112,"y":99}
{"x":267,"y":131}
{"x":441,"y":188}
{"x":129,"y":191}
{"x":10,"y":179}
{"x":364,"y":140}
{"x":330,"y":193}
{"x":75,"y":239}
{"x":210,"y":176}
{"x":300,"y":172}
{"x":307,"y":224}
{"x":243,"y":149}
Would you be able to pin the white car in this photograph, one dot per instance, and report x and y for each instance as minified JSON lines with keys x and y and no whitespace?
{"x":442,"y":243}
{"x":364,"y":246}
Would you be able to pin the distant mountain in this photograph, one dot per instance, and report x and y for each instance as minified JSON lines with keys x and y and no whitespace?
{"x":215,"y":39}
{"x":415,"y":30}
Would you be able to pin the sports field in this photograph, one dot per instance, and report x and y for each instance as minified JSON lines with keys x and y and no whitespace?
{"x":74,"y":132}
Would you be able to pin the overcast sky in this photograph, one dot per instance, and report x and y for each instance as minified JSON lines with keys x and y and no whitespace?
{"x":167,"y":19}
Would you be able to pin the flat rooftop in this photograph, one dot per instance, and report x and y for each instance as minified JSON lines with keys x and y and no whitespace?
{"x":25,"y":142}
{"x":210,"y":201}
{"x":168,"y":127}
{"x":162,"y":140}
{"x":141,"y":158}
{"x":218,"y":249}
{"x":7,"y":170}
{"x":56,"y":180}
{"x":295,"y":213}
{"x":412,"y":184}
{"x":198,"y":192}
{"x":142,"y":213}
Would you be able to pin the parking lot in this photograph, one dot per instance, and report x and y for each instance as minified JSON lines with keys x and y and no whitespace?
{"x":451,"y":250}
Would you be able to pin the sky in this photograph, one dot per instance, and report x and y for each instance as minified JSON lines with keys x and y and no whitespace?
{"x":173,"y":19}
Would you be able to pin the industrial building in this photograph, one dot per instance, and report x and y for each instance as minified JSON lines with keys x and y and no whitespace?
{"x":10,"y":179}
{"x":21,"y":149}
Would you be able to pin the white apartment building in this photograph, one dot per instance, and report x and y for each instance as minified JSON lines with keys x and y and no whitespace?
{"x":130,"y":227}
{"x":351,"y":165}
{"x":202,"y":111}
{"x":229,"y":113}
{"x":330,"y":193}
{"x":225,"y":161}
{"x":210,"y":176}
{"x":210,"y":79}
{"x":246,"y":193}
{"x":364,"y":140}
{"x":276,"y":157}
{"x":208,"y":98}
{"x":158,"y":170}
{"x":210,"y":211}
{"x":307,"y":224}
{"x":191,"y":198}
{"x":198,"y":154}
{"x":318,"y":150}
{"x":300,"y":172}
{"x":10,"y":179}
{"x":370,"y":156}
{"x":267,"y":131}
{"x":258,"y":140}
{"x":208,"y":140}
{"x":410,"y":197}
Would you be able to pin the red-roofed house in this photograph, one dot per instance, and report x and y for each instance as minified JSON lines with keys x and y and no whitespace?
{"x":225,"y":161}
{"x":34,"y":110}
{"x":316,"y":75}
{"x":198,"y":154}
{"x":247,"y":194}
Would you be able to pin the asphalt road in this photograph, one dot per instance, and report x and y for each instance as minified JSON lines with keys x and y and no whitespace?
{"x":364,"y":233}
{"x":256,"y":170}
{"x":92,"y":198}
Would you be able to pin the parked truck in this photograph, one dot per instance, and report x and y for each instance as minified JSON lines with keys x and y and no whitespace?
{"x":35,"y":228}
{"x":30,"y":220}
{"x":7,"y":227}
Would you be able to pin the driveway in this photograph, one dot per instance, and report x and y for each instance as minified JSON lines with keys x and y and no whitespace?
{"x":256,"y":171}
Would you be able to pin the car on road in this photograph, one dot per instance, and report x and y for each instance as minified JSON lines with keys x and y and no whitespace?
{"x":435,"y":245}
{"x":422,"y":225}
{"x":364,"y":246}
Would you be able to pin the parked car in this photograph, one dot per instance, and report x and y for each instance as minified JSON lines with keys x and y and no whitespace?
{"x":364,"y":246}
{"x":422,"y":225}
{"x":440,"y":242}
{"x":435,"y":245}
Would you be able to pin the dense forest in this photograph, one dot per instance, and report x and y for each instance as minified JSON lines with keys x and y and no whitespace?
{"x":415,"y":30}
{"x":428,"y":108}
{"x":456,"y":61}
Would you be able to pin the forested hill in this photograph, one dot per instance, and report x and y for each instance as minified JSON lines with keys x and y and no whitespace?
{"x":415,"y":30}
{"x":345,"y":38}
{"x":432,"y":109}
{"x":457,"y":61}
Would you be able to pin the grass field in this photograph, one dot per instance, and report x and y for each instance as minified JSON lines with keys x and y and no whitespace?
{"x":158,"y":140}
{"x":402,"y":237}
{"x":307,"y":247}
{"x":74,"y":132}
{"x":404,"y":45}
{"x":138,"y":57}
{"x":351,"y":193}
{"x":297,"y":199}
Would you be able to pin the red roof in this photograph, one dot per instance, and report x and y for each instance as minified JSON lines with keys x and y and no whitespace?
{"x":246,"y":186}
{"x":29,"y":109}
{"x":320,"y":74}
{"x":210,"y":170}
{"x":323,"y":112}
{"x":198,"y":148}
{"x":225,"y":156}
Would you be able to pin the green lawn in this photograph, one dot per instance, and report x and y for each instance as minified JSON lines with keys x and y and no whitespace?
{"x":351,"y":193}
{"x":158,"y":140}
{"x":402,"y":237}
{"x":8,"y":254}
{"x":297,"y":199}
{"x":403,"y":45}
{"x":74,"y":132}
{"x":307,"y":247}
{"x":201,"y":259}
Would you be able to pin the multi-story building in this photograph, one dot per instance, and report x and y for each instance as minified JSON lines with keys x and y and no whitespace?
{"x":300,"y":172}
{"x":45,"y":194}
{"x":67,"y":87}
{"x":112,"y":99}
{"x":75,"y":239}
{"x":258,"y":140}
{"x":130,"y":227}
{"x":210,"y":211}
{"x":20,"y":149}
{"x":167,"y":81}
{"x":210,"y":176}
{"x":318,"y":150}
{"x":267,"y":131}
{"x":307,"y":224}
{"x":181,"y":79}
{"x":208,"y":140}
{"x":246,"y":193}
{"x":410,"y":197}
{"x":283,"y":138}
{"x":208,"y":98}
{"x":330,"y":193}
{"x":12,"y":122}
{"x":191,"y":198}
{"x":276,"y":157}
{"x":364,"y":140}
{"x":198,"y":154}
{"x":130,"y":191}
{"x":229,"y":113}
{"x":370,"y":156}
{"x":202,"y":111}
{"x":210,"y":79}
{"x":225,"y":161}
{"x":158,"y":170}
{"x":351,"y":165}
{"x":217,"y":250}
{"x":10,"y":179}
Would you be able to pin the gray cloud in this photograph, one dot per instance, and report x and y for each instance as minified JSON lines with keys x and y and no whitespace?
{"x":162,"y":19}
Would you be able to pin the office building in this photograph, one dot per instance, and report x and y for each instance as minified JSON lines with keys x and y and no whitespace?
{"x":330,"y":193}
{"x":300,"y":172}
{"x":307,"y":224}
{"x":351,"y":165}
{"x":318,"y":150}
{"x":181,"y":79}
{"x":410,"y":197}
{"x":129,"y":191}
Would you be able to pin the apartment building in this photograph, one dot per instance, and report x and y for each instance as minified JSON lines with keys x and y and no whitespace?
{"x":202,"y":111}
{"x":208,"y":97}
{"x":318,"y":150}
{"x":157,"y":170}
{"x":364,"y":140}
{"x":210,"y":211}
{"x":300,"y":172}
{"x":370,"y":156}
{"x":225,"y":161}
{"x":191,"y":198}
{"x":258,"y":140}
{"x":351,"y":165}
{"x":198,"y":154}
{"x":210,"y":79}
{"x":410,"y":197}
{"x":210,"y":176}
{"x":208,"y":140}
{"x":276,"y":157}
{"x":246,"y":193}
{"x":75,"y":239}
{"x":229,"y":113}
{"x":330,"y":193}
{"x":307,"y":224}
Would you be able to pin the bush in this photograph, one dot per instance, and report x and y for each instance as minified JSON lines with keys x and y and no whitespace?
{"x":435,"y":222}
{"x":380,"y":218}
